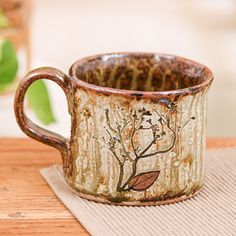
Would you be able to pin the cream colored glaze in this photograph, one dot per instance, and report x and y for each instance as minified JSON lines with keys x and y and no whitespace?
{"x":95,"y":170}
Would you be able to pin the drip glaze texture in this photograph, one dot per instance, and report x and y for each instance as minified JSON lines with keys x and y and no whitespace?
{"x":138,"y":126}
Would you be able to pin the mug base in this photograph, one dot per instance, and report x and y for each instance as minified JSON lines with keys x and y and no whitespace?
{"x":134,"y":203}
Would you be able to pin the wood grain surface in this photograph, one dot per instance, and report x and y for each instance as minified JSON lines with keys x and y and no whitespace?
{"x":27,"y":205}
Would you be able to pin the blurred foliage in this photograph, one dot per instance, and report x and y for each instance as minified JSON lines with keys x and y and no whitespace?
{"x":40,"y":102}
{"x":3,"y":20}
{"x":8,"y":64}
{"x":38,"y":95}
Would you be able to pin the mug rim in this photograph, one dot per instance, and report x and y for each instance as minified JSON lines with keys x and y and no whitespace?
{"x":79,"y":83}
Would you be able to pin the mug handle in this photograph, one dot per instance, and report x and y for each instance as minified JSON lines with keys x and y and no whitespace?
{"x":27,"y":126}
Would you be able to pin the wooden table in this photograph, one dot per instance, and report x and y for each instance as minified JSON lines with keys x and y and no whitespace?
{"x":27,"y":205}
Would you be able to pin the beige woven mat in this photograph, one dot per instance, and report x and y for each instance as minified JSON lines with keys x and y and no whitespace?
{"x":212,"y":212}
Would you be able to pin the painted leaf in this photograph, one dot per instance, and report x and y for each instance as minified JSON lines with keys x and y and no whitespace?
{"x":40,"y":102}
{"x":143,"y":181}
{"x":8,"y":63}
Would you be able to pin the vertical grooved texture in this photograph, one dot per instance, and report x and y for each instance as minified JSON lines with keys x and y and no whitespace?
{"x":96,"y":170}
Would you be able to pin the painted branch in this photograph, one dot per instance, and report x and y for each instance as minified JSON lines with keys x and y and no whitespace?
{"x":165,"y":150}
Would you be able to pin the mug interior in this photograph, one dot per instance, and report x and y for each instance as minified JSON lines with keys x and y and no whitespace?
{"x":141,"y":72}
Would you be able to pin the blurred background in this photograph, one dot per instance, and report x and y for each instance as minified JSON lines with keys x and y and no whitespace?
{"x":57,"y":33}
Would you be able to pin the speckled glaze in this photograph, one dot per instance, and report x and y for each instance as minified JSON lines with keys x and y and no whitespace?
{"x":138,"y":126}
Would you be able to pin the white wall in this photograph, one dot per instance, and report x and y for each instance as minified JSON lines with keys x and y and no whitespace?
{"x":204,"y":30}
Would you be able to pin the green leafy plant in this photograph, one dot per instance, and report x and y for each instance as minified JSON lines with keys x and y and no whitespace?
{"x":8,"y":64}
{"x":40,"y":102}
{"x":38,"y":96}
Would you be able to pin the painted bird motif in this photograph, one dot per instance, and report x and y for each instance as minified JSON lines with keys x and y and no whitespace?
{"x":168,"y":103}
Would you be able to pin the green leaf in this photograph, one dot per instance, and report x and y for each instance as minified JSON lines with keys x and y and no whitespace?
{"x":8,"y":63}
{"x":40,"y":102}
{"x":3,"y":20}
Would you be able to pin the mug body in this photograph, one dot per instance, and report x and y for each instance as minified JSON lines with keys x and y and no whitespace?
{"x":138,"y":128}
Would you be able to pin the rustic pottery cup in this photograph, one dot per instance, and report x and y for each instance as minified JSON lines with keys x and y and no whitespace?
{"x":137,"y":126}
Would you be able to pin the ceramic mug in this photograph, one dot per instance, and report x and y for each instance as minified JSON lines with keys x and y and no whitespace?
{"x":137,"y":126}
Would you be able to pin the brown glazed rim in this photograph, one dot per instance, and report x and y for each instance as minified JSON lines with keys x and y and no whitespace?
{"x":78,"y":83}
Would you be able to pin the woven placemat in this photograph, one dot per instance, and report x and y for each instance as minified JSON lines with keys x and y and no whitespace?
{"x":212,"y":212}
